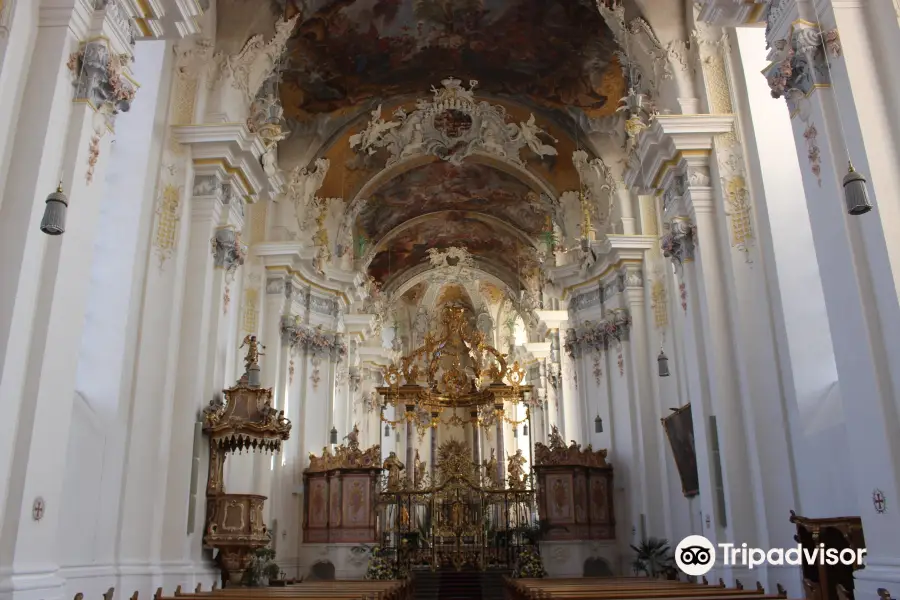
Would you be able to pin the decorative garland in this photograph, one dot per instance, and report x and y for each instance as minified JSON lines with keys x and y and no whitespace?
{"x":598,"y":337}
{"x":315,"y":340}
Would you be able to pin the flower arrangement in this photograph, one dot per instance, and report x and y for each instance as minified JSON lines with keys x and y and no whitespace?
{"x":380,"y":568}
{"x":529,"y":565}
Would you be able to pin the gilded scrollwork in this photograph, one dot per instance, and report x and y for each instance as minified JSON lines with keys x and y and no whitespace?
{"x":556,"y":452}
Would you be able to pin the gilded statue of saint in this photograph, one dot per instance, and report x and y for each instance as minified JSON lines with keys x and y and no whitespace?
{"x":515,"y":471}
{"x":253,"y":352}
{"x":490,"y":470}
{"x":393,"y":466}
{"x":419,"y":473}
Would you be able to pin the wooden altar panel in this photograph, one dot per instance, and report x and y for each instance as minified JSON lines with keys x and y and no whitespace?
{"x":576,"y":501}
{"x":560,"y":499}
{"x":340,"y":507}
{"x":335,"y":495}
{"x":318,"y":498}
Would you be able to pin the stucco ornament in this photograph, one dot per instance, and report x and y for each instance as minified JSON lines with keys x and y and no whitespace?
{"x":801,"y":62}
{"x":453,"y":264}
{"x":599,"y":184}
{"x":301,"y":187}
{"x":100,"y":78}
{"x":249,"y":68}
{"x":451,"y":126}
{"x":267,"y":121}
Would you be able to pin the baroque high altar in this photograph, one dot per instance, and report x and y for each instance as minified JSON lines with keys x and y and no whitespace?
{"x":465,"y":510}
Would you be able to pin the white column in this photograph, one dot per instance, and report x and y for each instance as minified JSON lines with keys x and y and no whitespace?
{"x":855,"y":255}
{"x":18,"y":35}
{"x":639,"y":363}
{"x":109,"y":345}
{"x":207,"y":212}
{"x":143,"y":512}
{"x":44,"y":285}
{"x":568,"y":403}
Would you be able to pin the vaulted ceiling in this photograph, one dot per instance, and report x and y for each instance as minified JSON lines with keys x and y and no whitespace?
{"x":555,"y":59}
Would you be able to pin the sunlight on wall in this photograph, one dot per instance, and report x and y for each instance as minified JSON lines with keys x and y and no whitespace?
{"x":519,"y":333}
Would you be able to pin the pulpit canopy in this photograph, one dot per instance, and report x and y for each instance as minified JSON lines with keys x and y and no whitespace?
{"x":246,"y":421}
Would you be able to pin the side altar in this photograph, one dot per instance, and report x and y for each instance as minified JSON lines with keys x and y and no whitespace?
{"x":339,"y":494}
{"x":245,"y":421}
{"x":575,"y":490}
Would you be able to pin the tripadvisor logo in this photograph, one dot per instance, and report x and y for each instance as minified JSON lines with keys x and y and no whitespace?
{"x":695,"y":555}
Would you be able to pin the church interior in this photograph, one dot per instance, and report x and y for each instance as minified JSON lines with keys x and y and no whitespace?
{"x":395,"y":299}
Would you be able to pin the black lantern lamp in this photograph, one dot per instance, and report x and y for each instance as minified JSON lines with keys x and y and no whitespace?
{"x":855,"y":193}
{"x":387,"y":430}
{"x":525,"y":429}
{"x":333,"y":436}
{"x":516,"y":432}
{"x":663,"y":362}
{"x":598,"y":425}
{"x":54,"y":221}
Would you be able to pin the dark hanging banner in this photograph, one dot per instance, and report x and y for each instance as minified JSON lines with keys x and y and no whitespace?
{"x":679,"y":428}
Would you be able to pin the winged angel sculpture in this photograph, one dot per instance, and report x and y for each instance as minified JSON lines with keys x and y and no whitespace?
{"x":452,"y":126}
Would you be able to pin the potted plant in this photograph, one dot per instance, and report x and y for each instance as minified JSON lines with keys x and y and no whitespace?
{"x":653,"y":557}
{"x":263,"y":568}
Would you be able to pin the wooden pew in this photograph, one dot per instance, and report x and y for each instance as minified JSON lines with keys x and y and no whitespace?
{"x":629,"y":589}
{"x":324,"y":590}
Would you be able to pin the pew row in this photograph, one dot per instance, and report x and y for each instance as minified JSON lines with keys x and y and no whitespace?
{"x":629,"y":589}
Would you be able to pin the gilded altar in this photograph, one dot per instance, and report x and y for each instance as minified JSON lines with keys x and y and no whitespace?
{"x":461,"y":518}
{"x":340,"y":492}
{"x":575,"y":490}
{"x":468,"y":511}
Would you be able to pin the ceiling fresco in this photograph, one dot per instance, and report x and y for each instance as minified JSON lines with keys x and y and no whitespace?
{"x":552,"y":54}
{"x":439,"y":186}
{"x":478,"y":234}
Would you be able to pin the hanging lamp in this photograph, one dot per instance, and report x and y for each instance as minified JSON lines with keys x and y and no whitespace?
{"x":663,"y":362}
{"x":54,"y":221}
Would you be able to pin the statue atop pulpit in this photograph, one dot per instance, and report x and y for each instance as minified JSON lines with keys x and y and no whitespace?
{"x":251,"y":360}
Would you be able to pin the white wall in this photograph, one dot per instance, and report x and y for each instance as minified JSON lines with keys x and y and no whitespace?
{"x":90,"y":516}
{"x":804,"y":338}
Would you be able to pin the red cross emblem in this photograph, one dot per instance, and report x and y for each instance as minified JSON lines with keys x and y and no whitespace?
{"x":878,"y":501}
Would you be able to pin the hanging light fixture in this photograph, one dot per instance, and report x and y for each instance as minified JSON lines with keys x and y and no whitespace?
{"x":856,"y":195}
{"x":598,"y":424}
{"x":333,"y":436}
{"x":515,"y":432}
{"x":387,"y":430}
{"x":54,"y":221}
{"x":525,"y":429}
{"x":663,"y":362}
